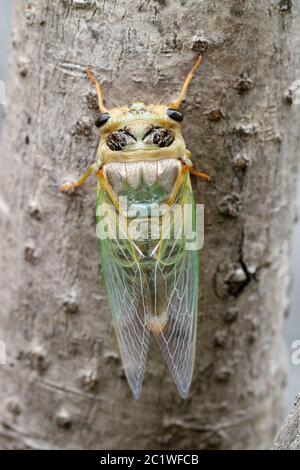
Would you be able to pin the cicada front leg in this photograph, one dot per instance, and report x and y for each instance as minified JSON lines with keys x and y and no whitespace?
{"x":186,"y":160}
{"x":199,"y":174}
{"x":81,"y":181}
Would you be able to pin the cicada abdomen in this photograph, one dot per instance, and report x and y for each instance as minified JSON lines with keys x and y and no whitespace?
{"x":145,"y":210}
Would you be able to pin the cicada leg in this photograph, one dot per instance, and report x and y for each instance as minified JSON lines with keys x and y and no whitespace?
{"x":107,"y":188}
{"x":77,"y":184}
{"x":187,"y":162}
{"x":177,"y":187}
{"x":199,"y":174}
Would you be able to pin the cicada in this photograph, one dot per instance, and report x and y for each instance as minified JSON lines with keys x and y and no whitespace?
{"x":151,"y":279}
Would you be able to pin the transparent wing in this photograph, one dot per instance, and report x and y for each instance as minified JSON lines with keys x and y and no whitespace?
{"x":128,"y":291}
{"x":176,"y":293}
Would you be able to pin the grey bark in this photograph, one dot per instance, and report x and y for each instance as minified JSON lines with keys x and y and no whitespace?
{"x":63,"y":386}
{"x":288,"y":437}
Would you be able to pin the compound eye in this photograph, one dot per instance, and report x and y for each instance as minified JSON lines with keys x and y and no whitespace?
{"x":118,"y":140}
{"x":175,"y":115}
{"x":159,"y":136}
{"x":102,"y":119}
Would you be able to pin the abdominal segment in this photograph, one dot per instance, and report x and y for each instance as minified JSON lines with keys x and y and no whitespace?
{"x":143,"y":183}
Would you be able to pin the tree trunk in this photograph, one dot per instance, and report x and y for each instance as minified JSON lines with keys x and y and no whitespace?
{"x":288,"y":437}
{"x":63,"y":385}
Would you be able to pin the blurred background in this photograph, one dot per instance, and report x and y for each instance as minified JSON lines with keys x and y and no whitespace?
{"x":292,"y":327}
{"x":5,"y":29}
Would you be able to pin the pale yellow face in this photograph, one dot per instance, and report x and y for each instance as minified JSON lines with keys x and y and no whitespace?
{"x":140,"y":132}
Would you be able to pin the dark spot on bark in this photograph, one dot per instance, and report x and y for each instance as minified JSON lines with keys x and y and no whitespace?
{"x":246,"y":130}
{"x":35,"y":213}
{"x":13,"y":406}
{"x":34,"y":210}
{"x":289,"y":97}
{"x":30,"y":13}
{"x":112,"y":357}
{"x":89,"y":380}
{"x":220,"y":339}
{"x":223,"y":374}
{"x":230,"y":205}
{"x":70,"y":306}
{"x":122,"y":374}
{"x":231,"y":279}
{"x":286,"y":6}
{"x":38,"y":361}
{"x":84,"y":127}
{"x":21,"y":355}
{"x":241,"y":162}
{"x":23,"y":69}
{"x":243,"y":85}
{"x":159,"y":24}
{"x":27,"y":140}
{"x":200,"y":45}
{"x":251,"y":331}
{"x":91,"y":99}
{"x":30,"y":255}
{"x":215,"y":115}
{"x":94,"y":33}
{"x":172,"y":45}
{"x":293,"y":93}
{"x":238,"y":8}
{"x":237,"y":281}
{"x":63,"y":420}
{"x":163,"y":3}
{"x":230,"y":316}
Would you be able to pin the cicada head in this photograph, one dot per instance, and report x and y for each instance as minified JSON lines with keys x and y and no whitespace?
{"x":142,"y":131}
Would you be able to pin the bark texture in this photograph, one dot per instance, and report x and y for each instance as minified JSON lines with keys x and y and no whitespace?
{"x":288,"y":437}
{"x":63,"y":385}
